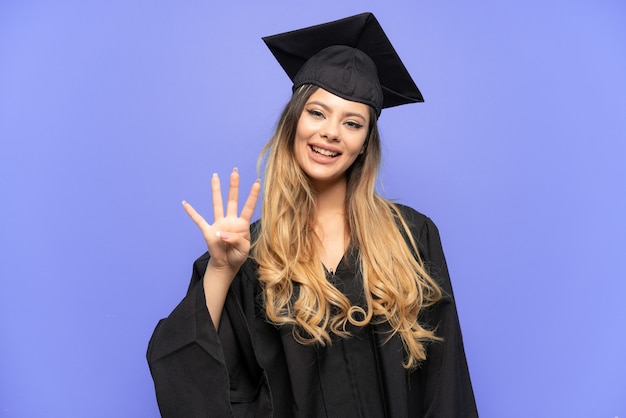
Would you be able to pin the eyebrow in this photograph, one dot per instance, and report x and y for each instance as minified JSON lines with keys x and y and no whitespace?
{"x":347,"y":114}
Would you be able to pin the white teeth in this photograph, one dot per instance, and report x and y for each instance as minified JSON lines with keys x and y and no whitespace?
{"x":324,"y":152}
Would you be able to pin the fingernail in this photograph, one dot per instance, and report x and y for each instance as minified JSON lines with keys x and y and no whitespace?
{"x":235,"y":169}
{"x":184,"y":202}
{"x":214,"y":174}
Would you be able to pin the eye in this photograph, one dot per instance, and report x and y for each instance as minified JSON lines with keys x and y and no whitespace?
{"x":353,"y":125}
{"x":315,"y":113}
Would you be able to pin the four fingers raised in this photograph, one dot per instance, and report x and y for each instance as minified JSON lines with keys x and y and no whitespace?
{"x":232,"y":203}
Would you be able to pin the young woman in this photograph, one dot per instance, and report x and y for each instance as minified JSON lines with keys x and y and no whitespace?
{"x":337,"y":302}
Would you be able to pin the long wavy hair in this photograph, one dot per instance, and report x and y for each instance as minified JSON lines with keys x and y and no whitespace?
{"x":295,"y":288}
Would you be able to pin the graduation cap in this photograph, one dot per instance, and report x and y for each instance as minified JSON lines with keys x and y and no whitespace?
{"x":351,"y":58}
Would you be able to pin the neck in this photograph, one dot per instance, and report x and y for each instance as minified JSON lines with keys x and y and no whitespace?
{"x":331,"y":198}
{"x":330,"y":223}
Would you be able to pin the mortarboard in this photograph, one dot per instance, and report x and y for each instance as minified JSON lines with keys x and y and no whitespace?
{"x":351,"y":58}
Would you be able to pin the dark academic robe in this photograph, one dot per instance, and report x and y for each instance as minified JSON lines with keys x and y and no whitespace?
{"x":254,"y":369}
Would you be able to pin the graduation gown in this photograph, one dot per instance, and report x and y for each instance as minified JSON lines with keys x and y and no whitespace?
{"x":254,"y":369}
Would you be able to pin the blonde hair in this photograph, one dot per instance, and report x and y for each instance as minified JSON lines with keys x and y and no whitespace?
{"x":295,"y":289}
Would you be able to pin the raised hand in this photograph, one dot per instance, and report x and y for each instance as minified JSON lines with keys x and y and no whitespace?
{"x":228,"y":238}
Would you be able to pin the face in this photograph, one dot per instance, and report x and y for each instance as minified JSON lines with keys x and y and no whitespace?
{"x":330,"y":135}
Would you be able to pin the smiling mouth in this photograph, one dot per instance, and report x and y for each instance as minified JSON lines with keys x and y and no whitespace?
{"x":324,"y":152}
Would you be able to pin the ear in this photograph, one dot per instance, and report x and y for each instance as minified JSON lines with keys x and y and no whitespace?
{"x":362,"y":149}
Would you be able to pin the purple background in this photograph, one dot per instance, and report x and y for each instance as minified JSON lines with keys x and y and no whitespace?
{"x":112,"y":112}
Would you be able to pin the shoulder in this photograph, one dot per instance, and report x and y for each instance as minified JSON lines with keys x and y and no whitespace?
{"x":423,"y":230}
{"x":411,"y":215}
{"x":417,"y":222}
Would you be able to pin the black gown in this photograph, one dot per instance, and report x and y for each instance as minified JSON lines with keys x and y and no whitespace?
{"x":254,"y":369}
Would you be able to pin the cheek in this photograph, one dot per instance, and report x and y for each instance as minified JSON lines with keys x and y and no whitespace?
{"x":304,"y":132}
{"x":303,"y":129}
{"x":300,"y":140}
{"x":360,"y":145}
{"x":299,"y":147}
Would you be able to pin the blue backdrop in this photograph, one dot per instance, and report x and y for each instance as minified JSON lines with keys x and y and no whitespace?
{"x":112,"y":112}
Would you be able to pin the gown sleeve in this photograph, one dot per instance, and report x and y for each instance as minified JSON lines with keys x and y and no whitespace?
{"x":445,"y":386}
{"x":199,"y":372}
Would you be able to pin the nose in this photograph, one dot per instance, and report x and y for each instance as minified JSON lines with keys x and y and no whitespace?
{"x":330,"y":131}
